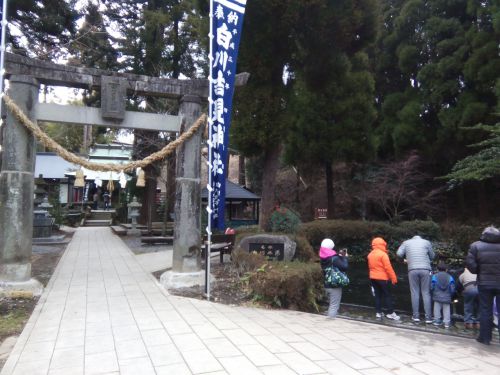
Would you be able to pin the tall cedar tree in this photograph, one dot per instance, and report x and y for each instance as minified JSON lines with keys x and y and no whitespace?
{"x":333,"y":102}
{"x":260,"y":116}
{"x":438,"y":64}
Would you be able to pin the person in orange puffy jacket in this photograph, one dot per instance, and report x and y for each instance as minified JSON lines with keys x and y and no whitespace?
{"x":381,"y":272}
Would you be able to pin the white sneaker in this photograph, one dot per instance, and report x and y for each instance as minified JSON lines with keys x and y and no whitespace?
{"x":379,"y":315}
{"x":415,"y":320}
{"x":393,"y":316}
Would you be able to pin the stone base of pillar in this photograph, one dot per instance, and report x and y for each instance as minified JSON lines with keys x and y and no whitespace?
{"x":30,"y":288}
{"x":176,"y":280}
{"x":16,"y":272}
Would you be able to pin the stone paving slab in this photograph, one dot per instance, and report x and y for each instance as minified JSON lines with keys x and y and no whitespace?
{"x":103,"y":313}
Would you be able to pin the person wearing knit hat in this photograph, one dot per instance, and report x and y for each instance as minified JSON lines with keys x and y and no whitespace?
{"x":330,"y":258}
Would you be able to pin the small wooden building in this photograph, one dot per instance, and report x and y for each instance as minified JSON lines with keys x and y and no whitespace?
{"x":242,"y":206}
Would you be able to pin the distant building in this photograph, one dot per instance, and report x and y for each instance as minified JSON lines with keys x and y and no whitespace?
{"x":60,"y":174}
{"x":242,"y":206}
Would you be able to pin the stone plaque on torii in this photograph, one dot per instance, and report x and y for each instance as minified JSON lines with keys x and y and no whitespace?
{"x":18,"y":153}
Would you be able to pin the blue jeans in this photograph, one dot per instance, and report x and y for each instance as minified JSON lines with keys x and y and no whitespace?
{"x":420,"y":282}
{"x":471,"y":304}
{"x":446,"y":308}
{"x":486,"y":295}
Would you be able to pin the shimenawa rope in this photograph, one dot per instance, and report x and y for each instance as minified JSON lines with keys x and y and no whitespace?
{"x":106,"y":167}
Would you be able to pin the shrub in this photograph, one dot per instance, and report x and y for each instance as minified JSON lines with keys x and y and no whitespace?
{"x":284,"y":220}
{"x":459,"y":237}
{"x":244,"y":262}
{"x":304,"y":251}
{"x":291,"y":285}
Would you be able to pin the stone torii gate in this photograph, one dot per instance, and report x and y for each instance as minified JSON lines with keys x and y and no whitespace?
{"x":18,"y":154}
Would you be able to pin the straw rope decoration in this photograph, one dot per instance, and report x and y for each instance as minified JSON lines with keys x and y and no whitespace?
{"x":105,"y":167}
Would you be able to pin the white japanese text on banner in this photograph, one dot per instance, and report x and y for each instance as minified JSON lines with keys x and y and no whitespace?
{"x":227,"y":22}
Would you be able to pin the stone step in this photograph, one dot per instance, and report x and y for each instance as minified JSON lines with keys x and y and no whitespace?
{"x":101,"y":215}
{"x":97,"y":223}
{"x":119,"y":230}
{"x":157,"y":232}
{"x":157,"y":239}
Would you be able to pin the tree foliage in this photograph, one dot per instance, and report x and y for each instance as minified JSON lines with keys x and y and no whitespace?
{"x":333,"y":104}
{"x":482,"y":165}
{"x":41,"y":28}
{"x":261,"y":108}
{"x":436,"y":72}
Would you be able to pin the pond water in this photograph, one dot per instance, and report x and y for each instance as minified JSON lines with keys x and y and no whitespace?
{"x":359,"y":292}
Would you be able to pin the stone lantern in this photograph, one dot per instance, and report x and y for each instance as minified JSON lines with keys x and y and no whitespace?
{"x":40,"y":190}
{"x":42,"y":220}
{"x":133,"y":214}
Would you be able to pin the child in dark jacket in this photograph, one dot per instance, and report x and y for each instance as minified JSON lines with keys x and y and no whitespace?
{"x":442,"y":289}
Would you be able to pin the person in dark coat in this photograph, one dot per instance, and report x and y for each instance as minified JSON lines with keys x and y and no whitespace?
{"x":483,"y":259}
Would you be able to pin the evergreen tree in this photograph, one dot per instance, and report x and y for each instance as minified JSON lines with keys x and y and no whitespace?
{"x":93,"y":45}
{"x":437,"y":68}
{"x":333,"y":102}
{"x":41,"y":29}
{"x":260,"y":115}
{"x":482,"y":165}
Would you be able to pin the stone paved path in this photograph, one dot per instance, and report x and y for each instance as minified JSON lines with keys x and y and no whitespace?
{"x":102,"y":313}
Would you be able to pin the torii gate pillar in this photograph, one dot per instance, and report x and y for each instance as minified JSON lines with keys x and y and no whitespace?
{"x":16,"y":190}
{"x":186,"y":267}
{"x":188,"y":194}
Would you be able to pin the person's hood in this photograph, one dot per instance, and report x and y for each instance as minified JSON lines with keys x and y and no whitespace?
{"x":442,"y":280}
{"x":378,"y":243}
{"x":325,"y":252}
{"x":491,"y":235}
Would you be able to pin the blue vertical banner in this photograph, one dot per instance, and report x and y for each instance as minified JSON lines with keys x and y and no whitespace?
{"x":226,"y":25}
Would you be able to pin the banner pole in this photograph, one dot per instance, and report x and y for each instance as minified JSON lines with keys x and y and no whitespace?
{"x":208,"y":246}
{"x":2,"y":54}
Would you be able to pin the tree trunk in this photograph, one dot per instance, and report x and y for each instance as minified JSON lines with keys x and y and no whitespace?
{"x":297,"y":188}
{"x":148,"y":204}
{"x":482,"y":201}
{"x":363,"y":198}
{"x":330,"y":198}
{"x":270,"y":169}
{"x":170,"y":193}
{"x":241,"y":171}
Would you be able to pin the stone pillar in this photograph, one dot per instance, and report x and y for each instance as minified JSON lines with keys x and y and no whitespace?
{"x":186,"y":267}
{"x":187,"y":232}
{"x":16,"y":188}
